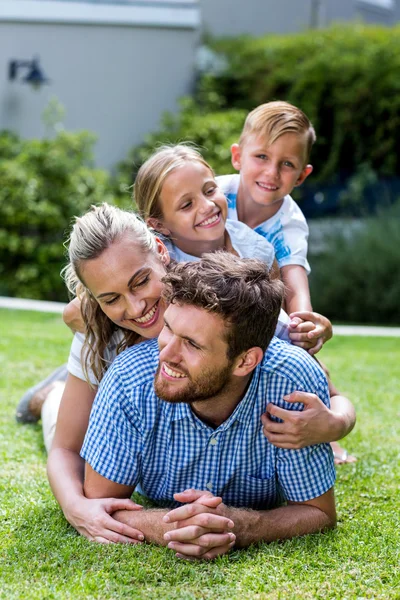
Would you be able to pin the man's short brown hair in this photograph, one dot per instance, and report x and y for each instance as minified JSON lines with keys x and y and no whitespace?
{"x":273,"y":119}
{"x":239,"y":290}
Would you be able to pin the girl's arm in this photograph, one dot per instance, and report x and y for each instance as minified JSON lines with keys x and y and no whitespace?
{"x":65,"y":469}
{"x":316,"y":424}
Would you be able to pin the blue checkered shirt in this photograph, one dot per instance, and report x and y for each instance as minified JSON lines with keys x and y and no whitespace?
{"x":136,"y":438}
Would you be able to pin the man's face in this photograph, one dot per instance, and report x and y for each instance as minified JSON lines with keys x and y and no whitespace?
{"x":193,"y":355}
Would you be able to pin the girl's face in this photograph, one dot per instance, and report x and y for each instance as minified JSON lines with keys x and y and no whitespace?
{"x":126,"y":282}
{"x":194,"y":209}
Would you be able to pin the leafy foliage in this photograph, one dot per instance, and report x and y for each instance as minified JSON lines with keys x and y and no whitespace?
{"x":345,"y":78}
{"x":355,"y":277}
{"x":213,"y":132}
{"x":44,"y":184}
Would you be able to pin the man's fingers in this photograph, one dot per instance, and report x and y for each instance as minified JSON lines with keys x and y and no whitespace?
{"x":203,"y":544}
{"x":185,"y":512}
{"x":204,"y":497}
{"x":304,"y":315}
{"x":200,"y":524}
{"x":209,"y":555}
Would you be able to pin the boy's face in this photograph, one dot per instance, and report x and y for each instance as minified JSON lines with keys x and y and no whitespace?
{"x":270,"y":172}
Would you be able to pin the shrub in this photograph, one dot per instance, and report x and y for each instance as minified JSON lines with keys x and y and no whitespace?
{"x":345,"y":78}
{"x":355,"y":277}
{"x":213,"y":132}
{"x":44,"y":183}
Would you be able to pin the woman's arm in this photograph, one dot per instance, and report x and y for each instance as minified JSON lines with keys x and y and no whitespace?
{"x":65,"y":469}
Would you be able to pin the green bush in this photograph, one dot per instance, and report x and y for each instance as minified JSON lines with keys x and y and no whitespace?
{"x":355,"y":278}
{"x":44,"y":183}
{"x":213,"y":132}
{"x":345,"y":78}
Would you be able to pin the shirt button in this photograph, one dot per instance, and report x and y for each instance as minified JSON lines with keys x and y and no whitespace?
{"x":213,"y":441}
{"x":209,"y":485}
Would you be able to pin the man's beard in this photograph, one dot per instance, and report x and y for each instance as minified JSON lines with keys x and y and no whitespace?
{"x":206,"y":386}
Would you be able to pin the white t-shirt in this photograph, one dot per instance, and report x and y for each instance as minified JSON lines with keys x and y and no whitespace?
{"x":247,"y":244}
{"x":245,"y":241}
{"x":76,"y":360}
{"x":287,"y":230}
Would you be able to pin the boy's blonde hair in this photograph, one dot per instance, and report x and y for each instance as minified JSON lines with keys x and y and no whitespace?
{"x":152,"y":174}
{"x":273,"y":119}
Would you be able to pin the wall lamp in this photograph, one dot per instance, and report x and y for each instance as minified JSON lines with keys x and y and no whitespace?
{"x":35,"y":76}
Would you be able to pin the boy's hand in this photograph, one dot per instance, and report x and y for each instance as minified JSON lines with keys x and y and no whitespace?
{"x":309,"y":330}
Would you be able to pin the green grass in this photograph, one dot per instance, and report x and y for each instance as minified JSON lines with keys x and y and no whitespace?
{"x":41,"y":556}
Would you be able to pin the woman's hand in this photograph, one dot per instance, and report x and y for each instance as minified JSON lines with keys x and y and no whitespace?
{"x":93,"y":519}
{"x":309,"y":330}
{"x":315,"y":424}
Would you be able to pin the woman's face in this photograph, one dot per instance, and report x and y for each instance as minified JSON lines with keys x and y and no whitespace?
{"x":126,"y":282}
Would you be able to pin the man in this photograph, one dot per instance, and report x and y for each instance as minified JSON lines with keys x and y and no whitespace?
{"x":197,"y":423}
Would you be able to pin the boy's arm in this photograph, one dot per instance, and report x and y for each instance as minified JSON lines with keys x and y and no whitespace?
{"x":307,"y":329}
{"x":297,"y":295}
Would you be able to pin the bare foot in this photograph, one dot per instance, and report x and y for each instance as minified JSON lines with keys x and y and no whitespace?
{"x":341,"y":455}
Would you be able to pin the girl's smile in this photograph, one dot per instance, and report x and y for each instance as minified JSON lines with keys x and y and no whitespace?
{"x":193,"y":209}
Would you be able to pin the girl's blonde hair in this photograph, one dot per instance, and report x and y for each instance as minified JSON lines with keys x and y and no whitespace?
{"x":152,"y":174}
{"x":91,"y":235}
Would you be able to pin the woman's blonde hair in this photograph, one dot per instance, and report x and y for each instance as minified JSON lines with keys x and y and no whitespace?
{"x":91,"y":235}
{"x":152,"y":174}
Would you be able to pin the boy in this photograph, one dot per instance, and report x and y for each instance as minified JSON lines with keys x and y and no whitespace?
{"x":272,"y":157}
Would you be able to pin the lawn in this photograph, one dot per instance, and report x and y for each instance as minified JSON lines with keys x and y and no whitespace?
{"x":41,"y":556}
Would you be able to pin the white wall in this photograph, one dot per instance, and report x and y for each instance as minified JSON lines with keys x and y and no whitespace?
{"x":113,"y":79}
{"x":256,"y":17}
{"x":259,"y":17}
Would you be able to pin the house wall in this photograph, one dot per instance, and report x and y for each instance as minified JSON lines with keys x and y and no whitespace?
{"x":114,"y":78}
{"x":258,"y":17}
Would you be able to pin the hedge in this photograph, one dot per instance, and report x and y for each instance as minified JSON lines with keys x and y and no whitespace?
{"x":44,"y":183}
{"x":346,"y":79}
{"x":355,"y":277}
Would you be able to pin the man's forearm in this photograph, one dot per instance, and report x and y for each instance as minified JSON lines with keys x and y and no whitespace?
{"x":149,"y":522}
{"x":286,"y":522}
